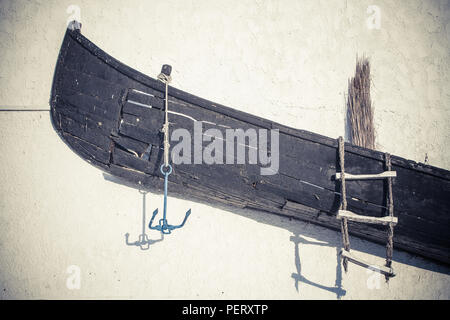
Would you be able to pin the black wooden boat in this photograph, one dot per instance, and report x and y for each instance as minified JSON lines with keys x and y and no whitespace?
{"x":111,"y":115}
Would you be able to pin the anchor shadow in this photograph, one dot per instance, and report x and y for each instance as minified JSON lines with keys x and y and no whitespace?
{"x":143,"y":241}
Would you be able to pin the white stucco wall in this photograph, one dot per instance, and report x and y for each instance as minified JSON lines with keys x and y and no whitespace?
{"x":288,"y":61}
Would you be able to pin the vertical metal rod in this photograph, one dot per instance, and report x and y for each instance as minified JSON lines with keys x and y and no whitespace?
{"x":165,"y":199}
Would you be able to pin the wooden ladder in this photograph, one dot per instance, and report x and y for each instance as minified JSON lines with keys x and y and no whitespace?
{"x":345,"y":215}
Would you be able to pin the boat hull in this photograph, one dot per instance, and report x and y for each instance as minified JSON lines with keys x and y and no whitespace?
{"x":112,"y":115}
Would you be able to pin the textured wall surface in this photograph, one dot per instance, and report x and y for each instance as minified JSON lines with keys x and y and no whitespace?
{"x":288,"y":61}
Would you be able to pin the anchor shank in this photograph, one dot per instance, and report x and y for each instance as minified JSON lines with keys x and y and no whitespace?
{"x":165,"y":197}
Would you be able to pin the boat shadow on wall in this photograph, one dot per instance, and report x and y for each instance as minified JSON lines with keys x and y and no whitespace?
{"x":112,"y":115}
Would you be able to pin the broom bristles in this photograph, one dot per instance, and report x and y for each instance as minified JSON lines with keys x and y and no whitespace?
{"x":359,"y":106}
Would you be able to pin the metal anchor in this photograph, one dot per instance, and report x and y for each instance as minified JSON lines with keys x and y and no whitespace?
{"x":143,"y":241}
{"x":163,"y":225}
{"x":166,"y":169}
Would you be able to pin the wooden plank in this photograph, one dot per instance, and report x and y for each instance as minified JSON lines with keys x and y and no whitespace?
{"x":318,"y":164}
{"x":132,"y":145}
{"x":93,"y":86}
{"x":366,"y":219}
{"x":134,"y":109}
{"x":112,"y":62}
{"x":153,"y":137}
{"x":92,"y":135}
{"x":148,"y":119}
{"x":322,"y":200}
{"x":91,"y":150}
{"x":145,"y":98}
{"x":128,"y":160}
{"x":382,"y":175}
{"x":78,"y":59}
{"x":83,"y":116}
{"x":356,"y":260}
{"x":108,"y":110}
{"x":210,"y":118}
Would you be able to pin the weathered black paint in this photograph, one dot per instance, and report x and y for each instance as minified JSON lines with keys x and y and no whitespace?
{"x":91,"y":111}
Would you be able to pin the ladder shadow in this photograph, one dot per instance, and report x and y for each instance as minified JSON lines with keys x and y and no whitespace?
{"x":298,"y":277}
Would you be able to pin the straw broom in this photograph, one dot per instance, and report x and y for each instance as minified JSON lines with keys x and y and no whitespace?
{"x":359,"y":106}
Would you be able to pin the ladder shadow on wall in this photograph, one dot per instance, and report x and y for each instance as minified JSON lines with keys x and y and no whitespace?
{"x":298,"y":277}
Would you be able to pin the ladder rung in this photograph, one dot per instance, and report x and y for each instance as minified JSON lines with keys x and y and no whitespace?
{"x":366,"y":219}
{"x":382,"y":269}
{"x":382,"y":175}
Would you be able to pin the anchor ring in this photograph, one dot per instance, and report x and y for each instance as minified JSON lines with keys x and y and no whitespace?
{"x":168,"y":172}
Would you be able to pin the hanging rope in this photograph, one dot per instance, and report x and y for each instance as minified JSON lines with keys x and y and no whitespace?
{"x":344,"y":226}
{"x":166,"y":80}
{"x":390,"y":205}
